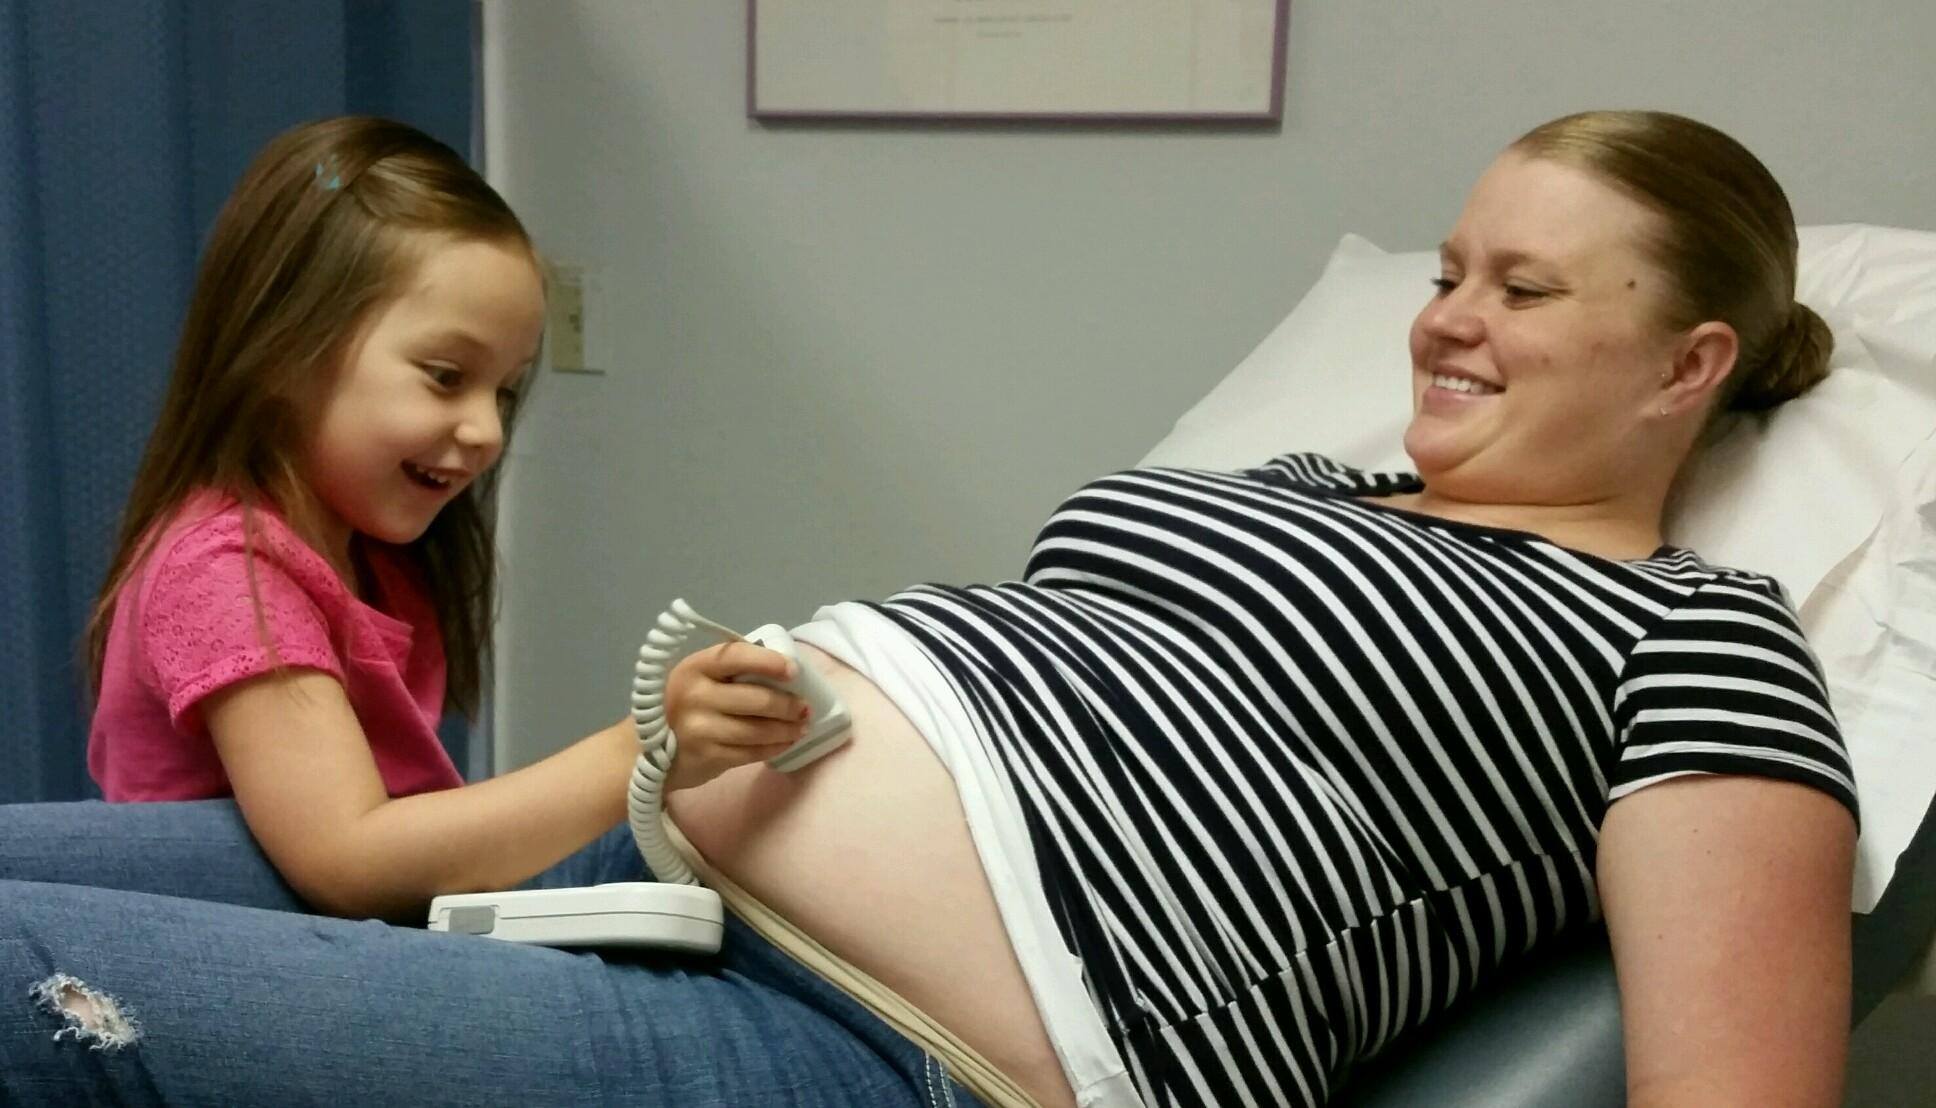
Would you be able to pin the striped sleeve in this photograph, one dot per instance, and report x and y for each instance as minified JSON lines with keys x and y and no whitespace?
{"x":1726,"y":684}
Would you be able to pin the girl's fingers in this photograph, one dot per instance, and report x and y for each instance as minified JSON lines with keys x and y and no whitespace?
{"x":745,"y":731}
{"x":763,"y":753}
{"x":702,"y":766}
{"x":737,"y":659}
{"x":757,"y":701}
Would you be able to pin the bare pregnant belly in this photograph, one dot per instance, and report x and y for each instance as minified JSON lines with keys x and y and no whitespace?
{"x":868,"y":852}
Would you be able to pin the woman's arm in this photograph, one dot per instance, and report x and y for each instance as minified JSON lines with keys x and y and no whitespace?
{"x":1727,"y":900}
{"x":308,"y":786}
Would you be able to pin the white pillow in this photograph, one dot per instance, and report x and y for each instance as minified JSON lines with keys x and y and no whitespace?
{"x":1334,"y":377}
{"x":1835,"y":481}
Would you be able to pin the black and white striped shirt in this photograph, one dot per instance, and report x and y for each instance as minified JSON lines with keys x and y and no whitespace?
{"x":1301,"y":769}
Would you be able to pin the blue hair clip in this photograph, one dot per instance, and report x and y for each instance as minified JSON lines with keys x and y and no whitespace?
{"x":335,"y":179}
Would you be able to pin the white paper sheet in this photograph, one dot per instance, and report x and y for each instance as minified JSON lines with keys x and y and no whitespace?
{"x":1872,"y":621}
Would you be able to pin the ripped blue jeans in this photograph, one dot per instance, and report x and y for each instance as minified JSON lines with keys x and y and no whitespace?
{"x":149,"y":954}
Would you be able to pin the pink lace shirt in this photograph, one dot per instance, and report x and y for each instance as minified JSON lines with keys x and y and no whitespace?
{"x":185,"y":626}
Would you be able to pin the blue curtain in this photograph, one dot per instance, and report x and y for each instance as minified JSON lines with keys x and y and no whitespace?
{"x":122,"y":128}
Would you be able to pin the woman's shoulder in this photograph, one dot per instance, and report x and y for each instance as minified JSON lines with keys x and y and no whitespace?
{"x":1720,"y":602}
{"x":1687,"y":566}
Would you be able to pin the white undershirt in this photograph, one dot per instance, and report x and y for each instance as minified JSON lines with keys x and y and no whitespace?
{"x":888,"y":656}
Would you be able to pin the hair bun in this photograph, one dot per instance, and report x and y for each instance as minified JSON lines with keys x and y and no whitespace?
{"x":1797,"y":362}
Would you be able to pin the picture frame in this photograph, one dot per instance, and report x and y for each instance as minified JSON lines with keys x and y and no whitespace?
{"x":1082,"y":61}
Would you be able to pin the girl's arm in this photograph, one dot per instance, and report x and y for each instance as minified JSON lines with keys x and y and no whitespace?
{"x":308,"y":786}
{"x":1727,"y":900}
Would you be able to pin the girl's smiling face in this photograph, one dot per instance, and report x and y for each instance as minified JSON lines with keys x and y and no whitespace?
{"x":1543,"y":350}
{"x":416,"y":410}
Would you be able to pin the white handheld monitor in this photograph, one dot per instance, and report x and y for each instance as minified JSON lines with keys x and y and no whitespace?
{"x":676,"y":913}
{"x":624,"y":914}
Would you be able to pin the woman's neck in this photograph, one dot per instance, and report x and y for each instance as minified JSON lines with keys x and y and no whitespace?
{"x":1621,"y":529}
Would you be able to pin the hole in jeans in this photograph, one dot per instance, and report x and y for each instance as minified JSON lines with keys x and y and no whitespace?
{"x":89,"y":1016}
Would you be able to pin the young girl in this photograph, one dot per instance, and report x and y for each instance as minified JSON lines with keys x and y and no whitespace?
{"x":304,"y":577}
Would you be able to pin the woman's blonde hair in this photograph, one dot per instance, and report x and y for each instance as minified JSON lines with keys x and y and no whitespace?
{"x":1726,"y":242}
{"x":325,"y":227}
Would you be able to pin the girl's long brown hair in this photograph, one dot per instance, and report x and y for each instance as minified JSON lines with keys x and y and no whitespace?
{"x":325,"y":226}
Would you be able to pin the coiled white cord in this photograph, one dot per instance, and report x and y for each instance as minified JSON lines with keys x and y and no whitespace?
{"x":664,"y":646}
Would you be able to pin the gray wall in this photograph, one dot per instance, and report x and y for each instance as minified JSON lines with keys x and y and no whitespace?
{"x":846,"y":358}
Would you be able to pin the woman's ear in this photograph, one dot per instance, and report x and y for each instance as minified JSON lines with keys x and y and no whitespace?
{"x":1703,"y":359}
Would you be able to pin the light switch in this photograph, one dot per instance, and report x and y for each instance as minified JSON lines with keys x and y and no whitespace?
{"x":565,"y":319}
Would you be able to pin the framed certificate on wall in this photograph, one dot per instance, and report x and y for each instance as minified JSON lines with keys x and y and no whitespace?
{"x":1072,"y":60}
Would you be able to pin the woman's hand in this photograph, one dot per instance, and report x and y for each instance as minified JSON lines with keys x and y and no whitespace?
{"x":722,"y":723}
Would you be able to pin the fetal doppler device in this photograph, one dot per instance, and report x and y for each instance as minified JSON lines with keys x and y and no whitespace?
{"x":675,"y":912}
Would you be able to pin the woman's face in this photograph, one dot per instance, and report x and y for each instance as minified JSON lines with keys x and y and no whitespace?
{"x":1541,"y":354}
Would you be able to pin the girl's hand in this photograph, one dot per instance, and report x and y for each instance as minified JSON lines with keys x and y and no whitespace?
{"x":723,"y":724}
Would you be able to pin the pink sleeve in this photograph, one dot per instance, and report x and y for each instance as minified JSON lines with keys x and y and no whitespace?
{"x":200,"y":628}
